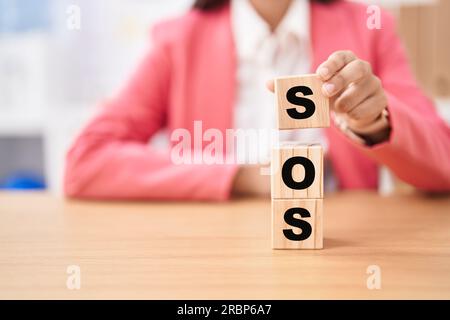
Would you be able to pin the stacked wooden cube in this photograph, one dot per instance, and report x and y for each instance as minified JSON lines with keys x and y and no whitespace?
{"x":297,"y":169}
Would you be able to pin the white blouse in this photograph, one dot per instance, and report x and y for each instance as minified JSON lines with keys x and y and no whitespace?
{"x":263,"y":55}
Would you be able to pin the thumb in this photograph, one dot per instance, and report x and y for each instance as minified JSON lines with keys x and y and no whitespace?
{"x":270,"y":85}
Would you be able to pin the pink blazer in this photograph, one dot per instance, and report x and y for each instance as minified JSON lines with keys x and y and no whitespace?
{"x":190,"y":74}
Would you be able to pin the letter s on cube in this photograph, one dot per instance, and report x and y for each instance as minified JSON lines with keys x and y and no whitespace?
{"x":300,"y":103}
{"x":297,"y":224}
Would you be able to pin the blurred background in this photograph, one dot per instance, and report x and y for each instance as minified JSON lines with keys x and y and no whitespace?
{"x":55,"y":69}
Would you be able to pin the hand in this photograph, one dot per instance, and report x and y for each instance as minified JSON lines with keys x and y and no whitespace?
{"x":357,"y":94}
{"x":356,"y":91}
{"x":250,"y":182}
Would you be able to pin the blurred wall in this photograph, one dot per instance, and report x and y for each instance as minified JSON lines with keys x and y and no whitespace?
{"x":53,"y":76}
{"x":426,"y":31}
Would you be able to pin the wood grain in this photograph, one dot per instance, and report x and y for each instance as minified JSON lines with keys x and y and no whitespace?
{"x":221,"y":250}
{"x":441,"y":80}
{"x":424,"y":30}
{"x":321,"y":116}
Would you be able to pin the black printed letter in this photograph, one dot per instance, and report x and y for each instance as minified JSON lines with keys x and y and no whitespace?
{"x":309,"y":105}
{"x":286,"y":173}
{"x":302,"y":224}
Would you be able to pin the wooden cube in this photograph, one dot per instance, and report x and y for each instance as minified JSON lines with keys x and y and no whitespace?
{"x":297,"y":224}
{"x":300,"y":103}
{"x":297,"y":171}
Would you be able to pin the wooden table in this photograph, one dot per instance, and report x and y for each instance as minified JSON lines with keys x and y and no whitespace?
{"x":220,"y":251}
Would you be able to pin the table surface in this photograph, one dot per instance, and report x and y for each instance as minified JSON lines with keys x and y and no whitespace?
{"x":221,"y":250}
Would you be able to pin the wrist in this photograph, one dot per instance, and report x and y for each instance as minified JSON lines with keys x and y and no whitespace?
{"x":376,"y":132}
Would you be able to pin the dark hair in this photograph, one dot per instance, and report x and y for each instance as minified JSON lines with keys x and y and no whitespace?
{"x":207,"y":5}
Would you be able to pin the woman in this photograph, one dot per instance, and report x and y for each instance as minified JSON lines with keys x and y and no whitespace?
{"x":210,"y":65}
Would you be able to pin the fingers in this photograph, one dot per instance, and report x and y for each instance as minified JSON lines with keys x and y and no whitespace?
{"x":352,"y":88}
{"x":356,"y":93}
{"x":270,"y":85}
{"x":353,"y":72}
{"x":334,"y":63}
{"x":340,"y":69}
{"x":367,"y":111}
